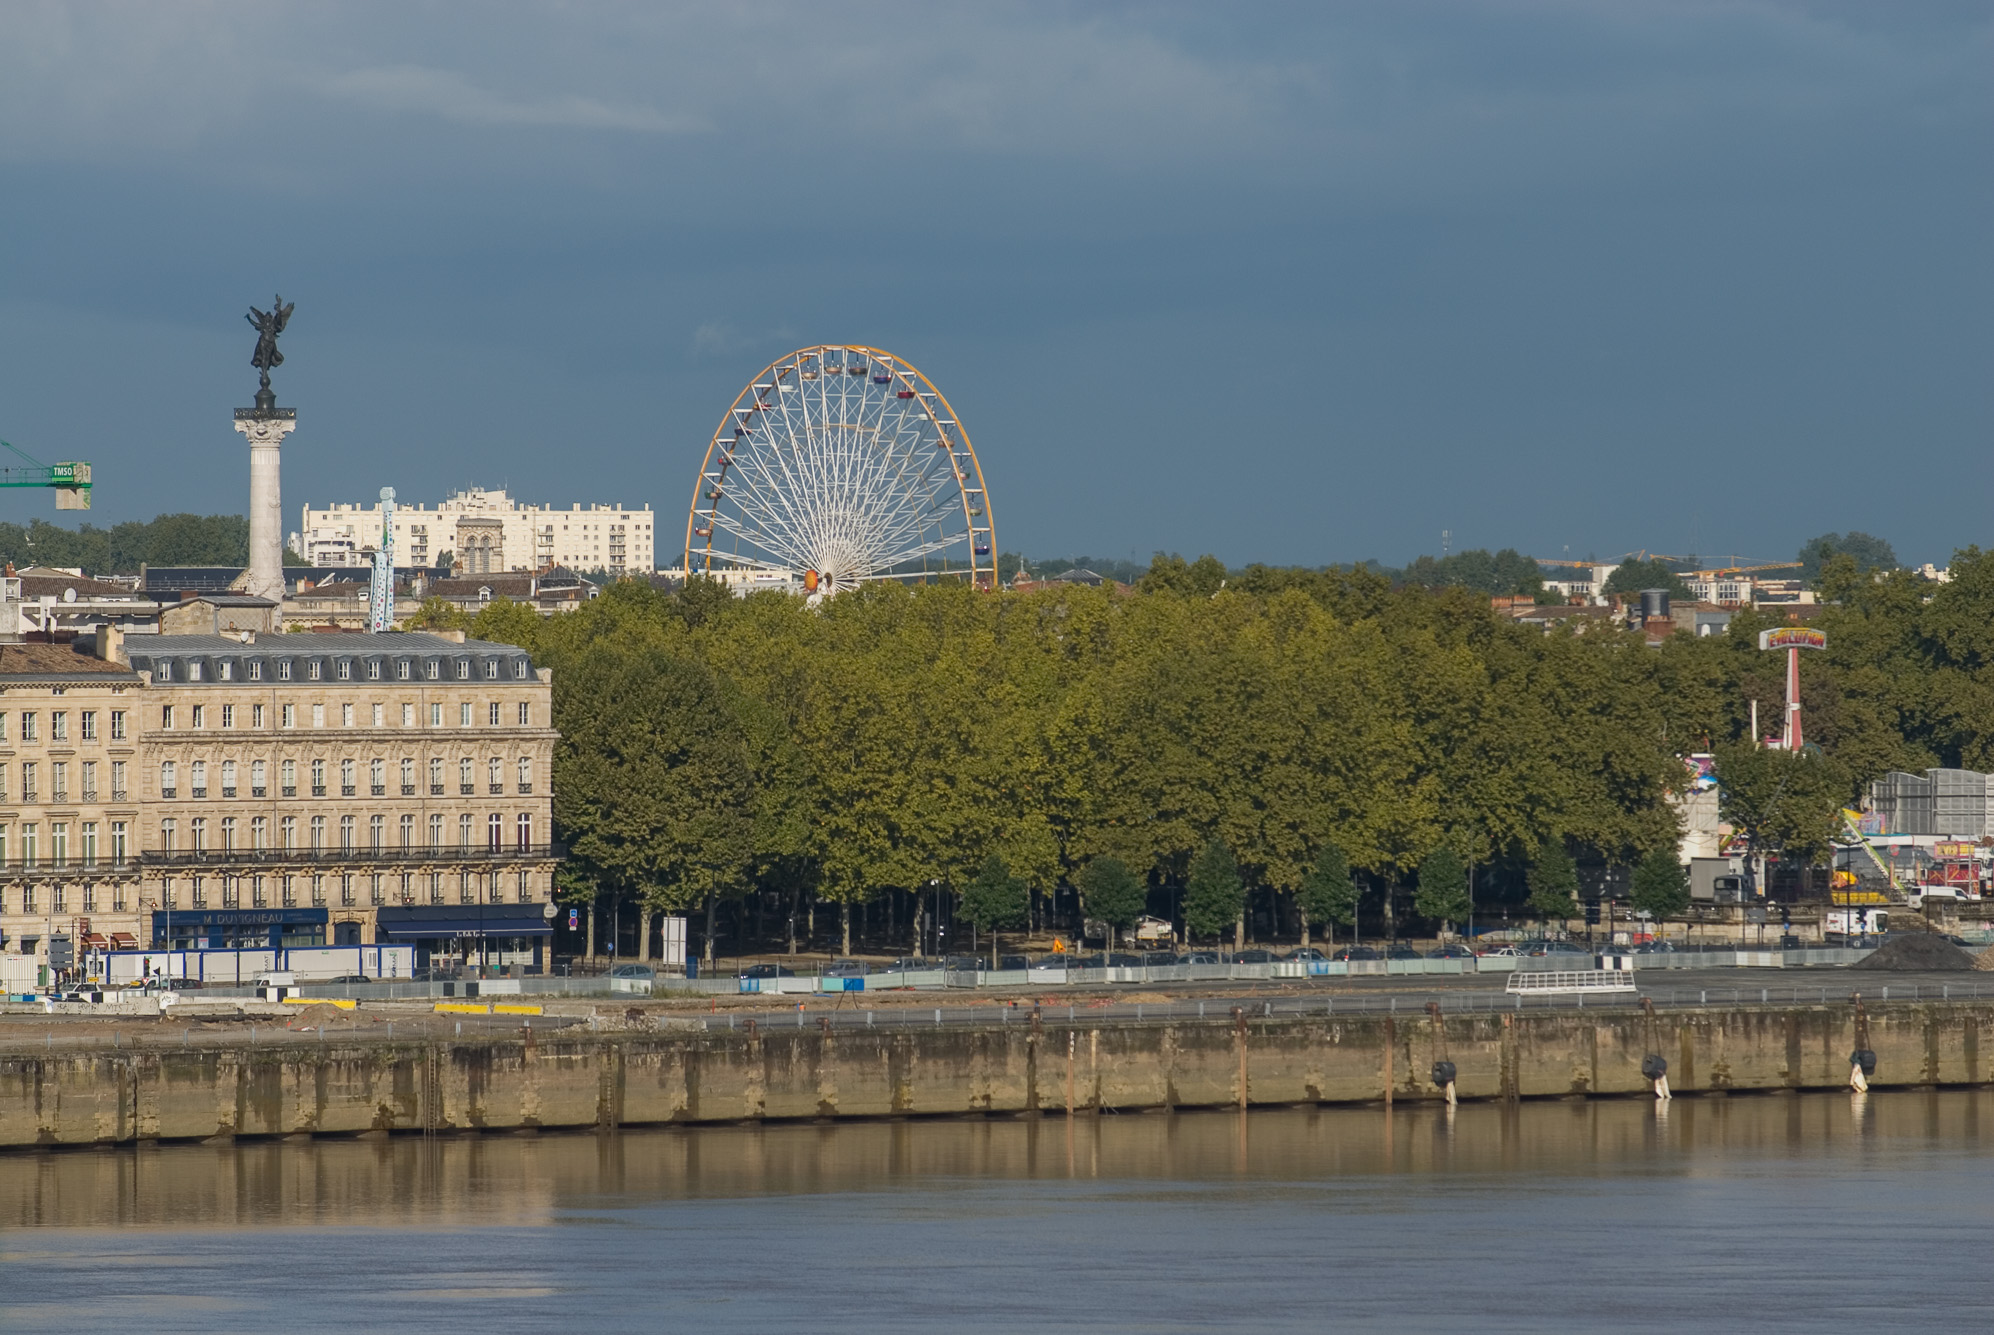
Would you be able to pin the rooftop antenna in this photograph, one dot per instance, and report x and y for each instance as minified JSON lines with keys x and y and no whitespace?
{"x":381,"y":596}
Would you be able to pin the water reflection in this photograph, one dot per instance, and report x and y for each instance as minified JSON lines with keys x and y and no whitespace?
{"x":528,"y":1181}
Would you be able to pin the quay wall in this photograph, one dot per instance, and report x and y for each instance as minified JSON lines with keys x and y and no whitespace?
{"x":365,"y":1085}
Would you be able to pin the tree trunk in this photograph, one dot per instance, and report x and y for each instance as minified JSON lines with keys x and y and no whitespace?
{"x":590,"y":911}
{"x":845,"y":917}
{"x":644,"y":935}
{"x":1239,"y":931}
{"x":794,"y":897}
{"x":709,"y":931}
{"x":1303,"y":914}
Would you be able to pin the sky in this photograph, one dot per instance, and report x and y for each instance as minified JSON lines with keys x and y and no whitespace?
{"x":1289,"y":283}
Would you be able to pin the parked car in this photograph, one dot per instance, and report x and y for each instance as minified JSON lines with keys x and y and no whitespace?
{"x":1306,"y":954}
{"x":1199,"y":957}
{"x":1159,"y":958}
{"x":1541,"y":948}
{"x":1357,"y":953}
{"x":351,"y":978}
{"x":1453,"y":952}
{"x":1255,"y":956}
{"x":1401,"y":951}
{"x":632,"y":971}
{"x":1012,"y":962}
{"x":1655,"y":948}
{"x":1123,"y":960}
{"x":1052,"y":964}
{"x":845,"y":969}
{"x":756,"y":971}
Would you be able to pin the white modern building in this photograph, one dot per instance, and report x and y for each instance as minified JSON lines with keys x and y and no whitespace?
{"x":486,"y":532}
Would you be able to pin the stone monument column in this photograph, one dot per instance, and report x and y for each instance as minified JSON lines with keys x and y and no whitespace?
{"x":266,"y":425}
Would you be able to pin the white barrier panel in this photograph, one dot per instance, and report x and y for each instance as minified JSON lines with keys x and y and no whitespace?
{"x":241,"y":968}
{"x":1566,"y":981}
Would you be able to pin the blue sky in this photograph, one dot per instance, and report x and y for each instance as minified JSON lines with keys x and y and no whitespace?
{"x":1298,"y":283}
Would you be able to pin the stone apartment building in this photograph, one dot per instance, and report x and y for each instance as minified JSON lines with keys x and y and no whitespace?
{"x":296,"y":785}
{"x":258,"y":789}
{"x":69,"y":809}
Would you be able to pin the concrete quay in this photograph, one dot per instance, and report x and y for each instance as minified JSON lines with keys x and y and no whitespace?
{"x":363,"y":1084}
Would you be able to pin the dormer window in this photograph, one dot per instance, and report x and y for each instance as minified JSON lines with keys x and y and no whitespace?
{"x":283,"y":669}
{"x":463,"y":669}
{"x":401,"y":670}
{"x":194,"y":671}
{"x":373,"y":669}
{"x":346,"y":669}
{"x":225,"y":671}
{"x":314,"y":670}
{"x":256,"y":669}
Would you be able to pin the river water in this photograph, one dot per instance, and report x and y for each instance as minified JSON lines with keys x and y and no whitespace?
{"x":1765,"y":1213}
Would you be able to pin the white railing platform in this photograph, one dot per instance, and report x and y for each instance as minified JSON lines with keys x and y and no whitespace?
{"x":1566,"y":981}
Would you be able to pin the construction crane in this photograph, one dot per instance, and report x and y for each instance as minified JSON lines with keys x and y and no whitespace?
{"x":381,"y":591}
{"x":71,"y":480}
{"x":1745,"y":570}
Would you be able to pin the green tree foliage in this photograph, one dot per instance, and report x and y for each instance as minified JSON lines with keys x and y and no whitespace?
{"x":1505,"y":573}
{"x":1867,"y":552}
{"x":1554,"y":882}
{"x":655,"y":783}
{"x":1110,"y":892}
{"x":1631,"y":577}
{"x":1328,"y":893}
{"x":1661,"y":886}
{"x":1214,"y":894}
{"x":1171,"y":574}
{"x":503,"y":621}
{"x":1443,"y":887}
{"x":169,"y":540}
{"x":1783,"y":802}
{"x":995,"y":900}
{"x":894,"y":737}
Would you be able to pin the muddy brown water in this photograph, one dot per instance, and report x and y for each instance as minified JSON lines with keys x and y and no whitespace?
{"x":1775,"y":1213}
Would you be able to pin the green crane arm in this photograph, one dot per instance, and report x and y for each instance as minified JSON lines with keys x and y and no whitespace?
{"x":70,"y":480}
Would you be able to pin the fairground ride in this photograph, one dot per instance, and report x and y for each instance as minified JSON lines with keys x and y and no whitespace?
{"x":840,"y":464}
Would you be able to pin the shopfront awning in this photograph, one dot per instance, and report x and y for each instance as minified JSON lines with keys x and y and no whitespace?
{"x":429,"y":922}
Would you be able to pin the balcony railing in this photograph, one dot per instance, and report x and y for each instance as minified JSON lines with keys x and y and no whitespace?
{"x":69,"y":867}
{"x":273,"y":857}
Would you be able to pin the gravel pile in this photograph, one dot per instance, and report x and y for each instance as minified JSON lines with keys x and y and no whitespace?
{"x":1985,"y":960}
{"x":1923,"y":952}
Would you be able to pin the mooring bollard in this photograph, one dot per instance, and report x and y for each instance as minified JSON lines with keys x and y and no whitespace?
{"x":1655,"y":1068}
{"x":1862,"y":1062}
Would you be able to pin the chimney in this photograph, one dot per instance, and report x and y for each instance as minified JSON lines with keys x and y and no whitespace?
{"x":111,"y":643}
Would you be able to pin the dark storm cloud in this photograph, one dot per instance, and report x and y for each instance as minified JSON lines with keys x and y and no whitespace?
{"x":1295,"y":283}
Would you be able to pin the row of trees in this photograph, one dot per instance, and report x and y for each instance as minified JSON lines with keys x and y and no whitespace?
{"x":1296,"y":740}
{"x":168,"y":540}
{"x":1267,"y":736}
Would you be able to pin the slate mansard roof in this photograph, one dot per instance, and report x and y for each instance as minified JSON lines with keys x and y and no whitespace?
{"x":392,"y":656}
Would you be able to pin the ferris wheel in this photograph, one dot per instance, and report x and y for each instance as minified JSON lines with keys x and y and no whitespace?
{"x":840,"y":464}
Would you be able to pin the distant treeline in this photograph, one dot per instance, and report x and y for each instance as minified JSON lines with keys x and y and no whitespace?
{"x":169,"y":540}
{"x":1504,"y":572}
